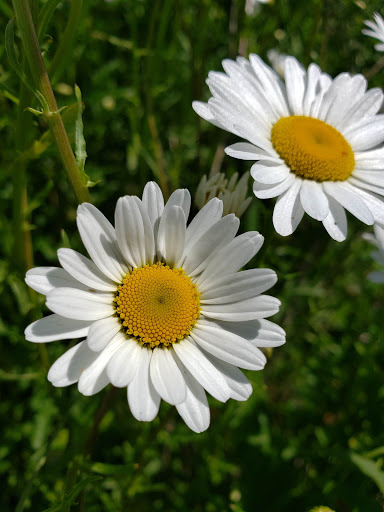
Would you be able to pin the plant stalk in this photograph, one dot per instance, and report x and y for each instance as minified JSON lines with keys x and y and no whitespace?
{"x":40,"y":76}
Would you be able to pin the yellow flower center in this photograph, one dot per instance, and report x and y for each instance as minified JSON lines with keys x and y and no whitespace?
{"x":313,"y":149}
{"x":157,"y":305}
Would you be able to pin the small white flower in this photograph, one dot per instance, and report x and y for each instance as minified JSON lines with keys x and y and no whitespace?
{"x":376,"y":30}
{"x":318,"y":141}
{"x":378,"y":241}
{"x":233,"y":193}
{"x":162,"y":306}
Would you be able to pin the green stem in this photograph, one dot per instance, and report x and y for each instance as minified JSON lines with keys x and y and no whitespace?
{"x":64,"y":51}
{"x":32,"y":50}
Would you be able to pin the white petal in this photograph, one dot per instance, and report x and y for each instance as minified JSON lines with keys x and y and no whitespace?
{"x":374,"y":202}
{"x":206,"y":217}
{"x":365,"y":107}
{"x":239,"y":286}
{"x":246,"y":151}
{"x":56,"y":327}
{"x":203,"y":110}
{"x":261,"y":333}
{"x":153,"y":201}
{"x":166,"y":376}
{"x":122,"y":365}
{"x":45,"y":279}
{"x":271,"y":84}
{"x":288,"y":211}
{"x":202,"y":369}
{"x":84,"y":270}
{"x":171,"y":235}
{"x":336,"y":221}
{"x":180,"y":197}
{"x":269,"y":173}
{"x":241,"y":388}
{"x":366,"y":135}
{"x":263,"y":191}
{"x":360,"y":184}
{"x":228,"y":260}
{"x":67,"y":369}
{"x":80,"y":305}
{"x":350,"y":200}
{"x":217,"y":236}
{"x":294,"y":76}
{"x":313,"y":76}
{"x":102,"y":331}
{"x":195,"y":409}
{"x":313,"y":199}
{"x":261,"y":306}
{"x":94,"y":378}
{"x":99,"y":238}
{"x":379,"y":234}
{"x":143,"y":399}
{"x":256,"y":239}
{"x":228,"y":347}
{"x":134,"y":231}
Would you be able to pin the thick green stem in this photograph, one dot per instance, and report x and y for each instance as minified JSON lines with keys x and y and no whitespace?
{"x":32,"y":51}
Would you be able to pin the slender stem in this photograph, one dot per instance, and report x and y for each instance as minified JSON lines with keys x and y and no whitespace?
{"x":32,"y":50}
{"x":22,"y":242}
{"x":64,"y":51}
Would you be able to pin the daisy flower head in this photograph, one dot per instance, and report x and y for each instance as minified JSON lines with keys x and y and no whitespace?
{"x":317,"y":141}
{"x":162,"y":306}
{"x":233,"y":193}
{"x":376,"y":30}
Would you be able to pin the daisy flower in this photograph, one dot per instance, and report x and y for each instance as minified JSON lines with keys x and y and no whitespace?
{"x":378,"y":241}
{"x":162,"y":306}
{"x":317,"y":141}
{"x":233,"y":193}
{"x":376,"y":30}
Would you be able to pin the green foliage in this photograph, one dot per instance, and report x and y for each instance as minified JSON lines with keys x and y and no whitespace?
{"x":139,"y":65}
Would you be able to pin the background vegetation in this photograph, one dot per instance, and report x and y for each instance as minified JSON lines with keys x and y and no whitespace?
{"x":312,"y":431}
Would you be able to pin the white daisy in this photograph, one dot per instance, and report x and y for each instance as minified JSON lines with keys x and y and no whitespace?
{"x":318,"y":141}
{"x":162,"y":306}
{"x":378,"y":241}
{"x":233,"y":193}
{"x":376,"y":30}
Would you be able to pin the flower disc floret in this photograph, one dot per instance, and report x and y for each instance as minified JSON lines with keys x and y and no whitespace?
{"x":157,"y":305}
{"x":313,"y":149}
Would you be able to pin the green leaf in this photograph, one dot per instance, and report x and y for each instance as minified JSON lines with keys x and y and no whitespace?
{"x":111,"y":469}
{"x":20,"y":293}
{"x":45,"y":15}
{"x":80,"y":146}
{"x":17,"y":67}
{"x":7,"y":11}
{"x":69,"y":500}
{"x":12,"y":57}
{"x":369,"y":468}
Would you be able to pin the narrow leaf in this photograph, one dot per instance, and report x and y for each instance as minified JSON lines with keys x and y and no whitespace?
{"x":45,"y":15}
{"x":11,"y":53}
{"x":369,"y":468}
{"x":80,"y":147}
